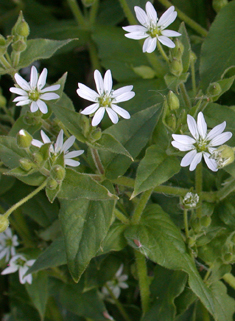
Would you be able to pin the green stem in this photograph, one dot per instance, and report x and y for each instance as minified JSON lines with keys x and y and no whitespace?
{"x":186,"y":223}
{"x":198,"y":188}
{"x":141,"y":206}
{"x":205,"y":314}
{"x":77,"y":12}
{"x":193,"y":78}
{"x":185,"y":95}
{"x":143,"y":280}
{"x":230,"y":279}
{"x":25,"y":199}
{"x":5,"y":63}
{"x":118,"y":304}
{"x":93,"y":12}
{"x":15,"y":58}
{"x":128,"y":13}
{"x":121,"y":216}
{"x":94,"y":55}
{"x":97,"y":161}
{"x":162,"y":52}
{"x":194,"y":25}
{"x":226,"y":190}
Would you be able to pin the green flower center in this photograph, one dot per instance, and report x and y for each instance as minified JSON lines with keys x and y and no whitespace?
{"x":105,"y":100}
{"x":34,"y":95}
{"x":8,"y":242}
{"x":154,"y":31}
{"x":20,"y":262}
{"x":201,"y":145}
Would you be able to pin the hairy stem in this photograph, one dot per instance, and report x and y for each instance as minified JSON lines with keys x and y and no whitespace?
{"x":186,"y":223}
{"x":198,"y":187}
{"x":97,"y":161}
{"x":121,"y":216}
{"x":141,"y":206}
{"x":162,"y":52}
{"x":93,"y":11}
{"x":185,"y":95}
{"x":77,"y":12}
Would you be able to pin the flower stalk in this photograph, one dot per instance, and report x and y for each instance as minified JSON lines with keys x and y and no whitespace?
{"x":186,"y":223}
{"x":97,"y":161}
{"x":141,"y":206}
{"x":77,"y":12}
{"x":162,"y":52}
{"x":185,"y":95}
{"x":198,"y":188}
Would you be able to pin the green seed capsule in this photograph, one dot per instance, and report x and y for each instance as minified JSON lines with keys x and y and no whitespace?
{"x":214,"y":89}
{"x":37,"y":159}
{"x":26,"y":164}
{"x":176,"y":67}
{"x":51,"y":183}
{"x":21,"y":28}
{"x":58,"y":173}
{"x":24,"y":139}
{"x":19,"y":45}
{"x":173,"y":101}
{"x":4,"y":223}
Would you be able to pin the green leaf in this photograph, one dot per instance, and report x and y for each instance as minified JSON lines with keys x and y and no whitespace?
{"x":173,"y":82}
{"x":51,"y":194}
{"x":40,"y":49}
{"x":154,"y":169}
{"x":224,"y":304}
{"x":133,"y":134}
{"x":165,"y":287}
{"x":20,"y":123}
{"x":184,"y":38}
{"x":18,"y":172}
{"x":6,"y":183}
{"x":71,"y":120}
{"x":53,"y":256}
{"x":38,"y":292}
{"x":85,"y":224}
{"x":215,"y":61}
{"x":77,"y":185}
{"x":162,"y":242}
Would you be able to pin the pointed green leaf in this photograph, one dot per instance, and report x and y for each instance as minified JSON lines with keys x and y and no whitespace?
{"x":154,"y":169}
{"x":77,"y":185}
{"x":85,"y":224}
{"x":184,"y":38}
{"x":133,"y":134}
{"x":162,"y":242}
{"x":51,"y":194}
{"x":20,"y":123}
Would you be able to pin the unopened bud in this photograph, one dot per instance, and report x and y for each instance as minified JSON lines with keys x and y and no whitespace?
{"x":176,"y":67}
{"x":4,"y":223}
{"x":21,"y":28}
{"x":196,"y":225}
{"x":192,"y":57}
{"x":190,"y":200}
{"x":58,"y":173}
{"x":51,"y":183}
{"x":88,"y":3}
{"x":95,"y":135}
{"x":26,"y":164}
{"x":24,"y":139}
{"x":19,"y":45}
{"x":224,"y":155}
{"x":85,"y":125}
{"x":37,"y":159}
{"x":178,"y":50}
{"x":206,"y":221}
{"x":173,"y":101}
{"x":214,"y":89}
{"x":219,"y":4}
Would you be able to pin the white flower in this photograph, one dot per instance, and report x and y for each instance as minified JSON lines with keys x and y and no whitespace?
{"x":32,"y":92}
{"x":20,"y":263}
{"x":105,"y":98}
{"x":153,"y":29}
{"x":202,"y":143}
{"x":8,"y":242}
{"x":60,"y":147}
{"x":116,"y":284}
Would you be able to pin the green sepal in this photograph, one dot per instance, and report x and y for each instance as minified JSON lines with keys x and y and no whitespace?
{"x":51,"y":194}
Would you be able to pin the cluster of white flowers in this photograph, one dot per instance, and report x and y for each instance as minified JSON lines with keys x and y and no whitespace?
{"x":8,"y":243}
{"x":60,"y":147}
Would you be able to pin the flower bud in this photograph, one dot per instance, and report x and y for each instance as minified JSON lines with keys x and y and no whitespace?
{"x":31,"y":119}
{"x":88,"y":3}
{"x":219,"y":4}
{"x":85,"y":125}
{"x":176,"y":67}
{"x":178,"y":50}
{"x":19,"y":45}
{"x":24,"y":139}
{"x":190,"y":200}
{"x":214,"y":89}
{"x":51,"y":183}
{"x":170,"y":121}
{"x":205,"y":221}
{"x":58,"y":173}
{"x":4,"y":223}
{"x":192,"y":57}
{"x":37,"y":159}
{"x":95,"y":135}
{"x":224,"y":155}
{"x":26,"y":164}
{"x":21,"y":28}
{"x":173,"y":101}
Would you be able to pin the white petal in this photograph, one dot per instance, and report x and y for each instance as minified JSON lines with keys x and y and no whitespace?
{"x":33,"y":77}
{"x":192,"y":126}
{"x":34,"y":106}
{"x":18,"y":91}
{"x":211,"y":163}
{"x":20,"y":98}
{"x":135,"y":28}
{"x":151,"y":12}
{"x":59,"y":141}
{"x":120,"y":111}
{"x":3,"y":253}
{"x":119,"y":271}
{"x":68,"y":143}
{"x":42,"y":106}
{"x":45,"y":138}
{"x":166,"y":41}
{"x":141,"y":16}
{"x":216,"y":131}
{"x":116,"y":291}
{"x":99,"y":82}
{"x":108,"y":81}
{"x":30,"y":262}
{"x":71,"y":162}
{"x":182,"y":147}
{"x":187,"y":159}
{"x":201,"y":125}
{"x":90,"y":109}
{"x":10,"y":269}
{"x":87,"y":93}
{"x":22,"y":271}
{"x":221,"y":139}
{"x":124,"y":97}
{"x":36,"y":143}
{"x":123,"y":285}
{"x":112,"y":115}
{"x":170,"y":33}
{"x":121,"y":91}
{"x":49,"y":96}
{"x":136,"y":35}
{"x":196,"y":160}
{"x":21,"y":82}
{"x":98,"y":116}
{"x":23,"y":102}
{"x":184,"y":139}
{"x":74,"y":153}
{"x":42,"y":79}
{"x":123,"y":278}
{"x":50,"y":88}
{"x":167,"y":17}
{"x":149,"y":45}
